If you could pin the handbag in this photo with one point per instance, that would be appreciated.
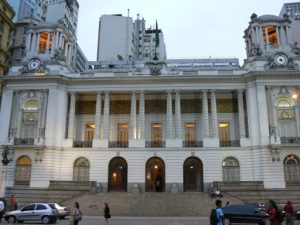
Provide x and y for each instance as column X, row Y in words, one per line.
column 78, row 216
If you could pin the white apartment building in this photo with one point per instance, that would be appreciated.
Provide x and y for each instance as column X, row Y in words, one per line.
column 158, row 125
column 121, row 39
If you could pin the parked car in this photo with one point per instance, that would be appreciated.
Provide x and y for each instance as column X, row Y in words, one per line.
column 297, row 214
column 244, row 214
column 33, row 212
column 62, row 211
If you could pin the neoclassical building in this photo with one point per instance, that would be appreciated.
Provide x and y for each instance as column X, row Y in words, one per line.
column 158, row 126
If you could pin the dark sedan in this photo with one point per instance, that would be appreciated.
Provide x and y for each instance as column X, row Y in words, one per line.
column 244, row 214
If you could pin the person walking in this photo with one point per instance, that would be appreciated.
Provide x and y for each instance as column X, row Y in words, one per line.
column 289, row 213
column 12, row 202
column 273, row 211
column 219, row 212
column 76, row 215
column 106, row 213
column 2, row 209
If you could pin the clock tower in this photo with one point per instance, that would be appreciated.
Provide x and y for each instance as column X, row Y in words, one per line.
column 270, row 44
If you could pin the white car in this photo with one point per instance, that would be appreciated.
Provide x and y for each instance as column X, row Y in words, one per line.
column 62, row 211
column 33, row 212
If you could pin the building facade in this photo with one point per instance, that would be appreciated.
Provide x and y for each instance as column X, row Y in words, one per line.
column 291, row 9
column 121, row 39
column 158, row 126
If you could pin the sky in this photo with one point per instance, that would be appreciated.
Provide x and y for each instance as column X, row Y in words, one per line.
column 192, row 28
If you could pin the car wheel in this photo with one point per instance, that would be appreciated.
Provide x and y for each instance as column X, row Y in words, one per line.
column 45, row 219
column 11, row 219
column 226, row 221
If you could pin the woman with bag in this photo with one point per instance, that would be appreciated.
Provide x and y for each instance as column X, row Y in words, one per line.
column 76, row 215
column 106, row 213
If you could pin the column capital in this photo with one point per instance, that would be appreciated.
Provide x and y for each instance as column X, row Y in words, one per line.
column 204, row 90
column 268, row 87
column 99, row 92
column 140, row 92
column 241, row 90
column 73, row 93
column 106, row 92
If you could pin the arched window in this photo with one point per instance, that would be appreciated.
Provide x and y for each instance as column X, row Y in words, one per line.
column 117, row 174
column 231, row 170
column 286, row 117
column 23, row 171
column 30, row 119
column 155, row 175
column 292, row 168
column 81, row 170
column 193, row 174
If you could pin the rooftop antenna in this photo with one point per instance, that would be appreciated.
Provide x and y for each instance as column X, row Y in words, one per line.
column 128, row 12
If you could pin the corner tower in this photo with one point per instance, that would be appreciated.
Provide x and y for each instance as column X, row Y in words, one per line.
column 270, row 44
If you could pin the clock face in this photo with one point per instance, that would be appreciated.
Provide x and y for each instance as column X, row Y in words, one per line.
column 34, row 64
column 280, row 59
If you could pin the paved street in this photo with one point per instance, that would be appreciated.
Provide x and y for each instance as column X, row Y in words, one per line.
column 90, row 220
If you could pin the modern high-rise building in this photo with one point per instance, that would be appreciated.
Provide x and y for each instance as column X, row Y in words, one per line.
column 121, row 39
column 28, row 8
column 291, row 9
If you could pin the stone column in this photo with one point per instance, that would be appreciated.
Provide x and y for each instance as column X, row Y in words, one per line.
column 205, row 120
column 241, row 114
column 38, row 43
column 97, row 135
column 278, row 36
column 169, row 116
column 105, row 134
column 33, row 42
column 267, row 37
column 28, row 41
column 142, row 116
column 57, row 36
column 178, row 116
column 54, row 41
column 214, row 115
column 261, row 37
column 133, row 116
column 72, row 116
column 48, row 43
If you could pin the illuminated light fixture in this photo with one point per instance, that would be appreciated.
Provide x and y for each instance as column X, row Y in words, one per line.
column 223, row 124
column 192, row 167
column 91, row 125
column 114, row 175
column 155, row 166
column 120, row 167
column 294, row 96
column 39, row 73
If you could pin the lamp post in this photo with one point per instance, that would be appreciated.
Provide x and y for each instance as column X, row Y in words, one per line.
column 5, row 162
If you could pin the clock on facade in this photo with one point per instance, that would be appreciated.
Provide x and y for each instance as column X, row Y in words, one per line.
column 280, row 59
column 34, row 64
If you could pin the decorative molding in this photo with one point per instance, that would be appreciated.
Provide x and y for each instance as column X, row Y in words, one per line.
column 155, row 67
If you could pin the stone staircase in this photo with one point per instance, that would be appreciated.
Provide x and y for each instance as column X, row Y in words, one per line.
column 148, row 204
column 250, row 192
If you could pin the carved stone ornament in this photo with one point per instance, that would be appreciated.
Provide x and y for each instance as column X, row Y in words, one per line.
column 59, row 55
column 290, row 65
column 155, row 67
column 255, row 51
column 34, row 65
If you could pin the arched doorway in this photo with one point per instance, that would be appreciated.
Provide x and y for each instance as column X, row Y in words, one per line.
column 23, row 171
column 231, row 170
column 292, row 168
column 117, row 174
column 193, row 174
column 155, row 175
column 81, row 170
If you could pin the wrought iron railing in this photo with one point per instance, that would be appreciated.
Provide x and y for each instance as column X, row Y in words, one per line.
column 155, row 144
column 82, row 144
column 24, row 141
column 118, row 144
column 230, row 143
column 192, row 144
column 290, row 140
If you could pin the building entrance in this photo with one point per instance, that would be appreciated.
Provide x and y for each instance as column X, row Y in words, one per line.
column 155, row 175
column 117, row 175
column 193, row 174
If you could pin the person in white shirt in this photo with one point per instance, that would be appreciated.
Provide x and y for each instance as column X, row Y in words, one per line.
column 1, row 209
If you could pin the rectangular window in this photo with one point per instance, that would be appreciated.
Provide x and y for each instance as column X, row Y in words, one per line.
column 156, row 132
column 224, row 133
column 190, row 134
column 123, row 135
column 89, row 133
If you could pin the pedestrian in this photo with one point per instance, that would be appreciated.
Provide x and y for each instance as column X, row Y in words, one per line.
column 106, row 213
column 11, row 202
column 273, row 212
column 16, row 204
column 219, row 212
column 76, row 215
column 2, row 209
column 289, row 213
column 218, row 193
